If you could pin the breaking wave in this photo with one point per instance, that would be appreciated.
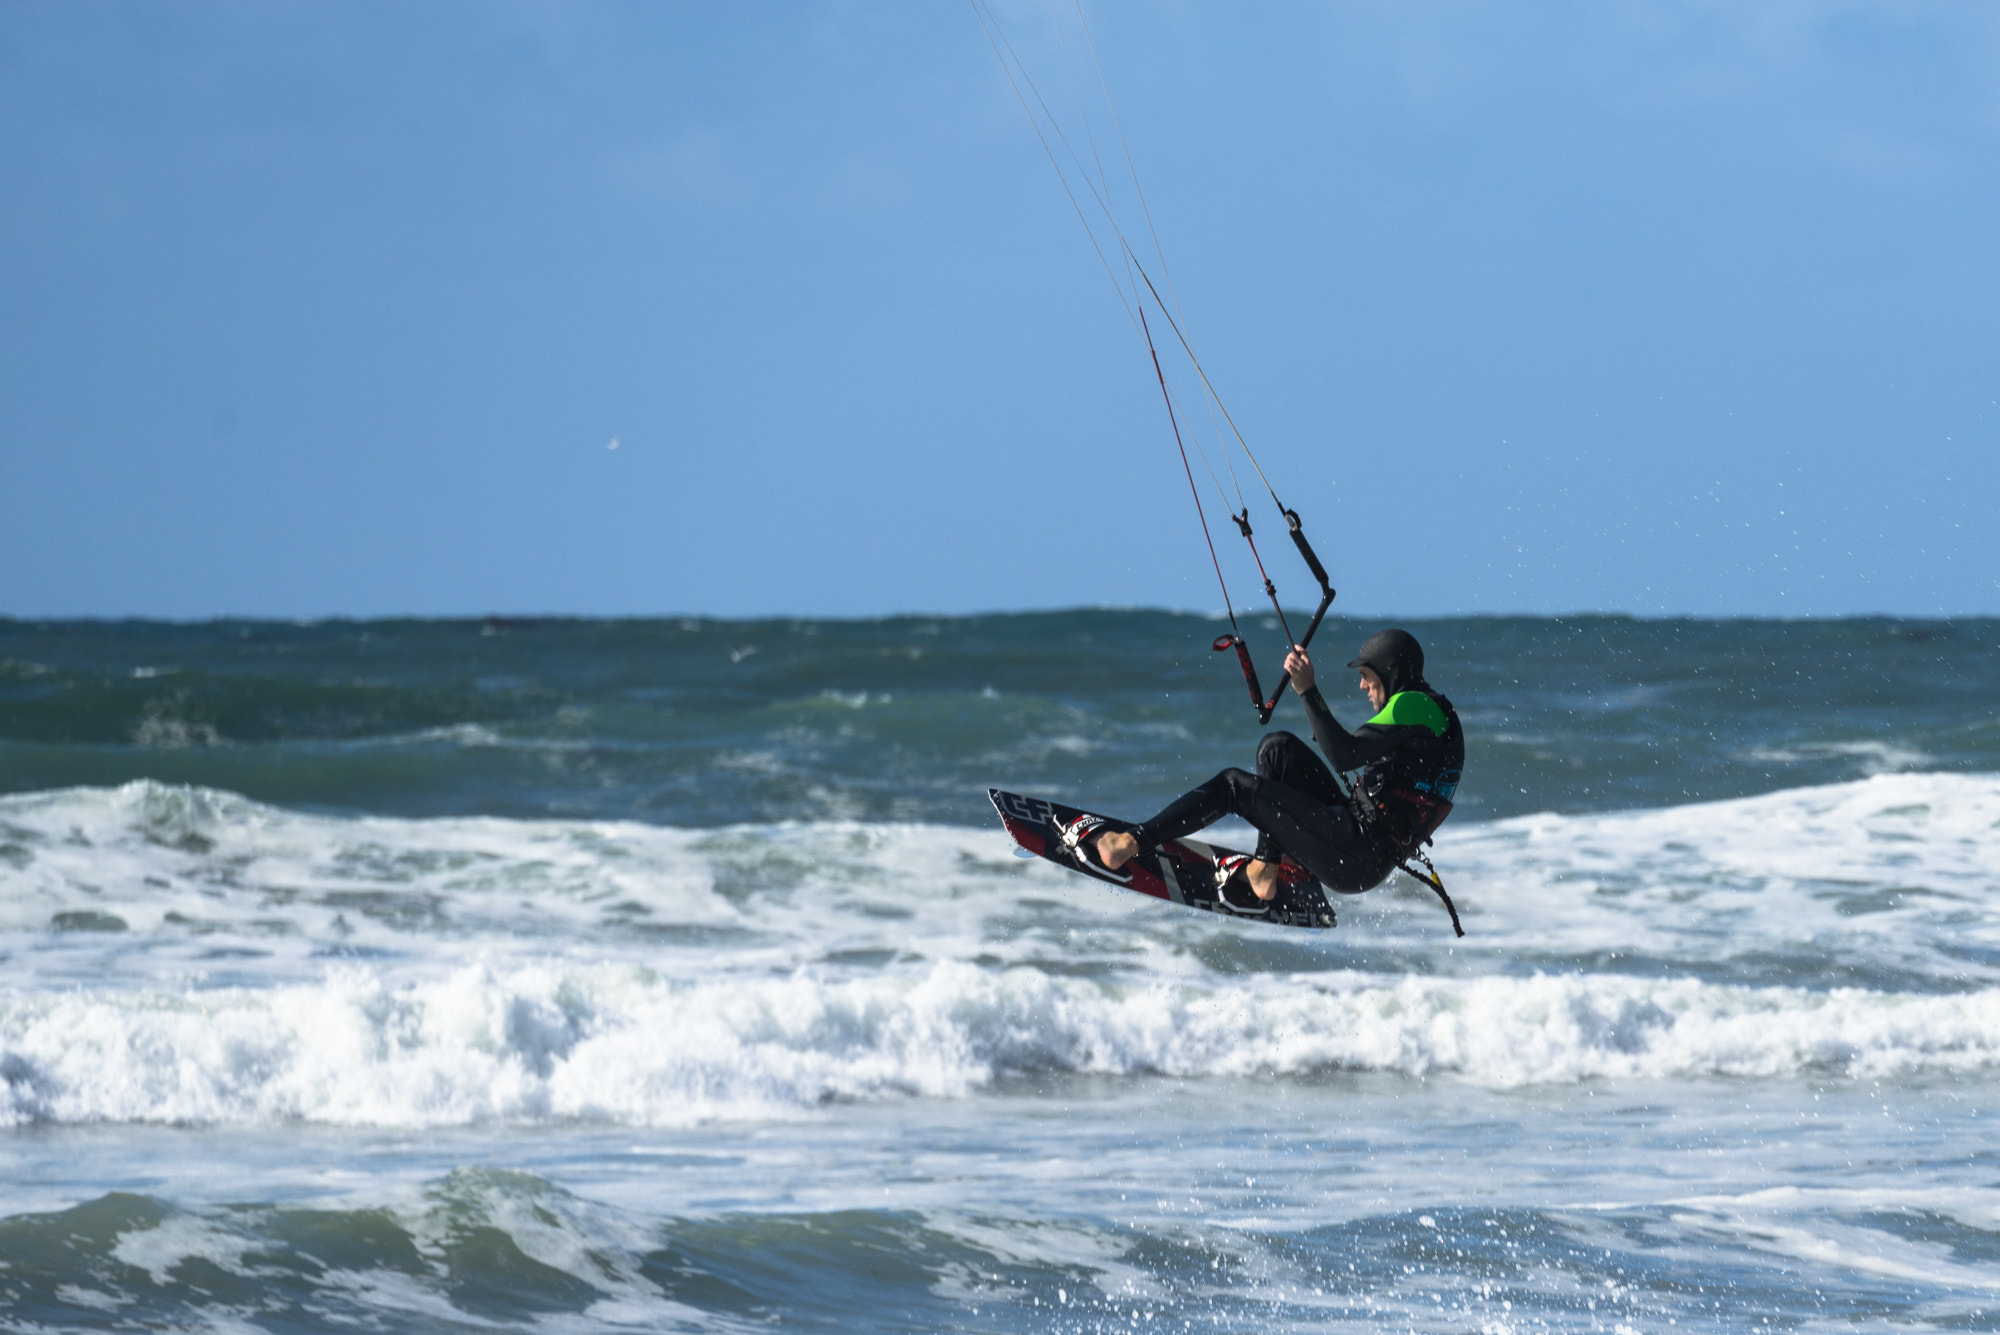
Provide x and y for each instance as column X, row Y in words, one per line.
column 615, row 1045
column 187, row 956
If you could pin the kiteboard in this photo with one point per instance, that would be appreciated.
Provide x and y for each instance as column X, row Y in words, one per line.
column 1182, row 871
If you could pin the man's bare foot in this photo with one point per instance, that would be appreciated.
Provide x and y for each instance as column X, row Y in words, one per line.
column 1115, row 848
column 1263, row 878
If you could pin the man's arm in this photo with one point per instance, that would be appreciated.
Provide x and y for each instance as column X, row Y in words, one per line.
column 1351, row 750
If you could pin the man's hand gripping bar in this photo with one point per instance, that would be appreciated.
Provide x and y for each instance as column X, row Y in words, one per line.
column 1265, row 708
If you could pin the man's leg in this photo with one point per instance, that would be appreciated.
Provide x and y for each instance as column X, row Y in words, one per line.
column 1320, row 836
column 1304, row 812
column 1232, row 792
column 1193, row 810
column 1284, row 757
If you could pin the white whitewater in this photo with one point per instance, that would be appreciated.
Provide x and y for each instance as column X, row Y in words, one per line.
column 185, row 956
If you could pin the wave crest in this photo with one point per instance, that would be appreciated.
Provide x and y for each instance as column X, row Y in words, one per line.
column 620, row 1046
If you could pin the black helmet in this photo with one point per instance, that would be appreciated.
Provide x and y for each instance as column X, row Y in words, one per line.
column 1396, row 657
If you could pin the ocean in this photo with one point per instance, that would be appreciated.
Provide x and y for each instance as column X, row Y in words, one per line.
column 675, row 975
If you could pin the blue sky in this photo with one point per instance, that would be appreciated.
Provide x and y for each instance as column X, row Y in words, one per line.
column 336, row 309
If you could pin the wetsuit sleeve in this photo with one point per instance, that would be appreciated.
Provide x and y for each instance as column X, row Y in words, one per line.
column 1354, row 750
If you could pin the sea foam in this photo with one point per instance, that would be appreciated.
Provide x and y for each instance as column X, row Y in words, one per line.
column 183, row 955
column 616, row 1045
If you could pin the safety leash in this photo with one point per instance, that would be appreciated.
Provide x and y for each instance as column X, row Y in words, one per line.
column 1429, row 876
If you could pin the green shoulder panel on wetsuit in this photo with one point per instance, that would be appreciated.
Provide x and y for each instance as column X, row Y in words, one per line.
column 1412, row 707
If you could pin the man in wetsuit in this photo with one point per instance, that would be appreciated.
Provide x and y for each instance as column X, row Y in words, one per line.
column 1409, row 754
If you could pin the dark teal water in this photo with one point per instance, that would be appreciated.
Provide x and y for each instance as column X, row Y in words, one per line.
column 566, row 976
column 704, row 722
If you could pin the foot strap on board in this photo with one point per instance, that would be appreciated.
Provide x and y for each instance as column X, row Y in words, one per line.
column 1232, row 874
column 1079, row 839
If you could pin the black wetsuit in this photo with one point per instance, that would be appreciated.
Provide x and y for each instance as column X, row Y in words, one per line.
column 1409, row 755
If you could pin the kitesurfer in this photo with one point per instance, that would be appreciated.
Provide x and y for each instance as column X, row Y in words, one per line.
column 1409, row 754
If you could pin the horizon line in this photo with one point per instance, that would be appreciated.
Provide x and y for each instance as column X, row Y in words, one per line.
column 528, row 618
